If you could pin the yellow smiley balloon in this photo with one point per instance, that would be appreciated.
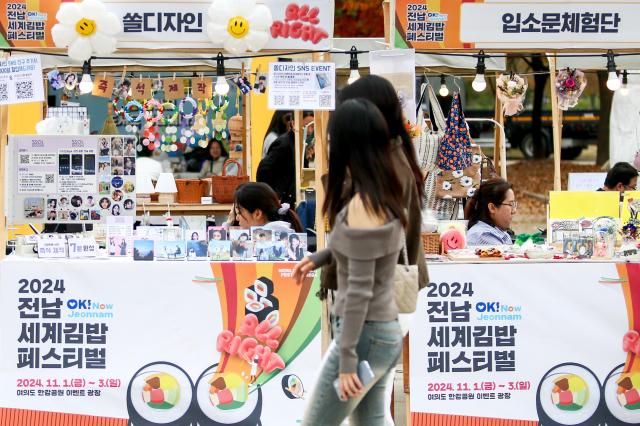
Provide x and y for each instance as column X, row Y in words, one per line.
column 238, row 27
column 85, row 27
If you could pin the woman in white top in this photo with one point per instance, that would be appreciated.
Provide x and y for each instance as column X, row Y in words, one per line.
column 215, row 159
column 256, row 204
column 281, row 123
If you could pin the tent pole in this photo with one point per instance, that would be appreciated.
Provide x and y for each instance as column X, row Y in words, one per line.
column 557, row 125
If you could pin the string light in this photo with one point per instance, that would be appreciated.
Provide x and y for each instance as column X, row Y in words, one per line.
column 613, row 82
column 444, row 90
column 479, row 83
column 222, row 87
column 86, row 84
column 354, row 74
column 624, row 90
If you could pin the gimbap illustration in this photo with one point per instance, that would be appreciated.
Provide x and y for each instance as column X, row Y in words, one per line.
column 264, row 302
column 569, row 394
column 160, row 393
column 292, row 386
column 226, row 398
column 622, row 396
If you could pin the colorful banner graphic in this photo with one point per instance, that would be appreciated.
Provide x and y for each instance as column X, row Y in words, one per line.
column 147, row 343
column 517, row 24
column 527, row 344
column 147, row 24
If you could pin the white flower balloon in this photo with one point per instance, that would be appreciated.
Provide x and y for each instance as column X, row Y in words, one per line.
column 239, row 25
column 86, row 28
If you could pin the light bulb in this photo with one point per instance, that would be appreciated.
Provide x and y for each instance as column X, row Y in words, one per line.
column 222, row 87
column 613, row 82
column 479, row 84
column 86, row 85
column 444, row 90
column 353, row 76
column 624, row 90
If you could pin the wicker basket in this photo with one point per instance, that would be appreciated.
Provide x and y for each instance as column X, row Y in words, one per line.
column 223, row 187
column 190, row 191
column 431, row 242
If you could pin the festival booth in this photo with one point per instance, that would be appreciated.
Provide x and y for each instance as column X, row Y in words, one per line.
column 187, row 323
column 539, row 333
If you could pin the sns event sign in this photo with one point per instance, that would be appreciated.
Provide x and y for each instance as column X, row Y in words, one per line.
column 21, row 80
column 527, row 344
column 148, row 24
column 302, row 85
column 517, row 24
column 123, row 343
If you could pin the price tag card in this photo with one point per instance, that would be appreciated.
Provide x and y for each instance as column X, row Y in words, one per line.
column 52, row 247
column 82, row 248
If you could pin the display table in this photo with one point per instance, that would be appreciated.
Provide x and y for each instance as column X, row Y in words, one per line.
column 522, row 343
column 112, row 341
column 180, row 209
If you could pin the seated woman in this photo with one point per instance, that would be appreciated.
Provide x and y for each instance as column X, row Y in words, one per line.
column 215, row 158
column 490, row 212
column 256, row 204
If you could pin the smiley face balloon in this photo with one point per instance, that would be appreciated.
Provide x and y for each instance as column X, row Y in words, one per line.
column 452, row 239
column 85, row 27
column 238, row 27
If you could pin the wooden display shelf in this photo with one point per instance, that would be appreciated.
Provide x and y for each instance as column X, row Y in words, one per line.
column 179, row 209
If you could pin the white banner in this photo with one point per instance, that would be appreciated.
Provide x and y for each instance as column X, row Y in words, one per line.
column 147, row 343
column 554, row 24
column 304, row 25
column 526, row 342
column 399, row 67
column 302, row 86
column 21, row 80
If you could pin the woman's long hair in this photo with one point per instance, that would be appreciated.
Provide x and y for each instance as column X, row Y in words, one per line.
column 382, row 93
column 257, row 195
column 359, row 147
column 278, row 125
column 494, row 192
column 223, row 151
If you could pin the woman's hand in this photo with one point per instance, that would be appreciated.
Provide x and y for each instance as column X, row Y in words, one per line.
column 301, row 270
column 350, row 386
column 232, row 216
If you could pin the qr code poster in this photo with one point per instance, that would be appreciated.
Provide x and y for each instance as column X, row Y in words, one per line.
column 302, row 86
column 72, row 179
column 21, row 80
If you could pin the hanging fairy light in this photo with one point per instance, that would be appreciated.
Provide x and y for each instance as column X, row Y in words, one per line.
column 624, row 89
column 86, row 84
column 354, row 74
column 613, row 82
column 444, row 90
column 222, row 86
column 479, row 83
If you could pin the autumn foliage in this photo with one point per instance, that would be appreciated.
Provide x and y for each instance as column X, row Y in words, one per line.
column 359, row 18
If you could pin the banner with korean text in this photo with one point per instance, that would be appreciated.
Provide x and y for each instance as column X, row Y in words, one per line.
column 517, row 24
column 527, row 344
column 148, row 24
column 118, row 342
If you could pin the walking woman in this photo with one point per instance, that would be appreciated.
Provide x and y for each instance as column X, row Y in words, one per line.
column 365, row 243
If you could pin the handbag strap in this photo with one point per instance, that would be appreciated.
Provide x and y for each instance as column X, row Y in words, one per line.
column 232, row 161
column 405, row 256
column 435, row 111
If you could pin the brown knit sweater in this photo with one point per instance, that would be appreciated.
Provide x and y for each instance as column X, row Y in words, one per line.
column 411, row 199
column 366, row 259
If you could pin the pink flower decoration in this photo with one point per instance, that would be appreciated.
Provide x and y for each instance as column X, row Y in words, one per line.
column 570, row 83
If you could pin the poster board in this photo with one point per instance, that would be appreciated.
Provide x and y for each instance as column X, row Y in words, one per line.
column 493, row 345
column 586, row 181
column 71, row 179
column 143, row 343
column 302, row 86
column 576, row 204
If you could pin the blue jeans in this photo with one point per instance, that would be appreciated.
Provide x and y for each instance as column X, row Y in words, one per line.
column 381, row 344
